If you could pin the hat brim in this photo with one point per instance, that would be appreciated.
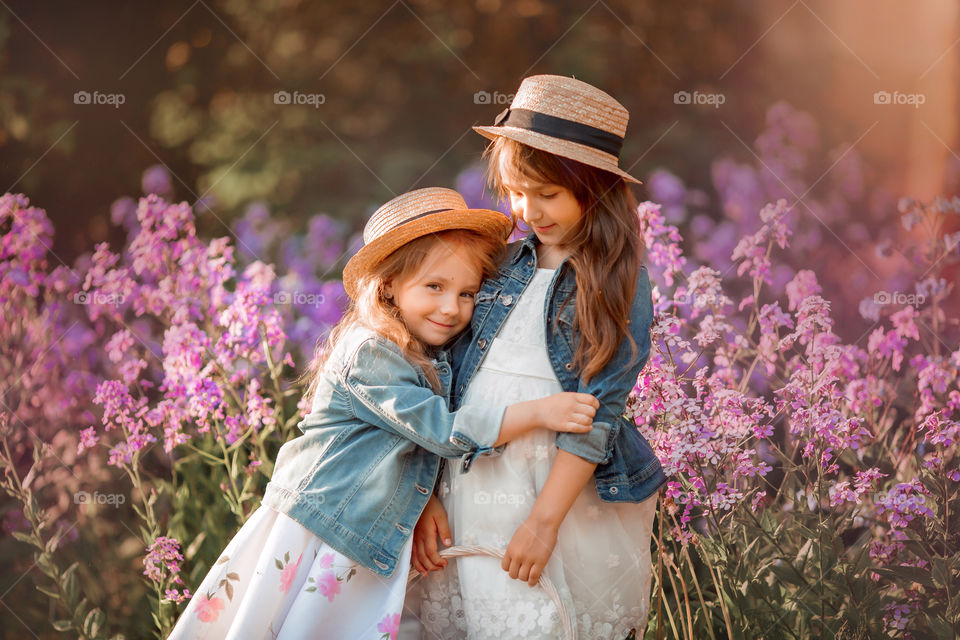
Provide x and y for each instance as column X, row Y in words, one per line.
column 485, row 221
column 564, row 148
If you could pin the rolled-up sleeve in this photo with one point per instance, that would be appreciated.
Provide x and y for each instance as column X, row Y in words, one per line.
column 385, row 390
column 612, row 384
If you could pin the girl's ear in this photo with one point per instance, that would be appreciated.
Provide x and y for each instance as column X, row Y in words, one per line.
column 388, row 290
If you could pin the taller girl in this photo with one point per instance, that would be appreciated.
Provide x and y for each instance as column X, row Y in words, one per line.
column 570, row 309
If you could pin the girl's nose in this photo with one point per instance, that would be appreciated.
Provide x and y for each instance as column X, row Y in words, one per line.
column 449, row 306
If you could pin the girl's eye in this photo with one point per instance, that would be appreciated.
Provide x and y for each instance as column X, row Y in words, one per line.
column 547, row 196
column 434, row 286
column 467, row 294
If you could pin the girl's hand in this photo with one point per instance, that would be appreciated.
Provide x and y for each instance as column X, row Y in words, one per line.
column 432, row 523
column 568, row 411
column 529, row 550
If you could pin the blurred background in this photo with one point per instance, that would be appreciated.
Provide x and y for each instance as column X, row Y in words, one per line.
column 388, row 92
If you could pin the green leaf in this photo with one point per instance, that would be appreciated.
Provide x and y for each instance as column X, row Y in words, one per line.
column 279, row 564
column 941, row 627
column 48, row 592
column 71, row 589
column 62, row 625
column 27, row 538
column 93, row 622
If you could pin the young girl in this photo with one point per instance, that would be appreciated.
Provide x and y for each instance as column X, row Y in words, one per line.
column 328, row 553
column 569, row 310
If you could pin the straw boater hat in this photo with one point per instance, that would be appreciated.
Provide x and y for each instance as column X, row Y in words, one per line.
column 412, row 215
column 568, row 118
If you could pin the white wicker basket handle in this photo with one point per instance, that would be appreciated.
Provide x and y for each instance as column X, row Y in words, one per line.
column 460, row 551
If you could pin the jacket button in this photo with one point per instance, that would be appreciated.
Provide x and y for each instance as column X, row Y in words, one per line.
column 568, row 366
column 460, row 390
column 402, row 529
column 530, row 263
column 614, row 490
column 421, row 489
column 482, row 343
column 507, row 300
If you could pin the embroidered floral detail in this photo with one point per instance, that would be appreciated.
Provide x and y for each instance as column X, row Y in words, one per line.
column 288, row 571
column 389, row 626
column 208, row 609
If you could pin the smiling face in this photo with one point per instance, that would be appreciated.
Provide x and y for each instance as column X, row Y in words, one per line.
column 436, row 301
column 550, row 210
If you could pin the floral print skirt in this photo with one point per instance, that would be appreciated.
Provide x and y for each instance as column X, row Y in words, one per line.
column 277, row 580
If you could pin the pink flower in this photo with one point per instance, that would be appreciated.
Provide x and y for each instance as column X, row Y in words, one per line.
column 289, row 571
column 326, row 560
column 803, row 284
column 208, row 609
column 328, row 585
column 162, row 556
column 390, row 624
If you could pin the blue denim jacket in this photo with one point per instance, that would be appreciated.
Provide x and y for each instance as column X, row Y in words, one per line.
column 628, row 469
column 364, row 468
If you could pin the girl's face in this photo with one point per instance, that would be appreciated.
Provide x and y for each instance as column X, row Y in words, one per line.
column 436, row 302
column 550, row 210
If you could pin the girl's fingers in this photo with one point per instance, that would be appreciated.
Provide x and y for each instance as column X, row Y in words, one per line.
column 418, row 567
column 443, row 529
column 534, row 576
column 432, row 554
column 523, row 573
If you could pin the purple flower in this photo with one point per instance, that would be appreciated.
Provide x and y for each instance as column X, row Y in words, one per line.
column 162, row 560
column 156, row 179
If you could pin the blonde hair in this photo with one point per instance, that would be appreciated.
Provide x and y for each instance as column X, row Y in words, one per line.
column 606, row 248
column 372, row 309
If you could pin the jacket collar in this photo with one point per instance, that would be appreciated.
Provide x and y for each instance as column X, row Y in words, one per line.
column 527, row 246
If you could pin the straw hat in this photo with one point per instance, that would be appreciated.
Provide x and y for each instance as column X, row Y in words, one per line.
column 568, row 118
column 413, row 215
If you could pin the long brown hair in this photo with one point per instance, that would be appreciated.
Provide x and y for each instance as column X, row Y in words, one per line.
column 606, row 249
column 374, row 310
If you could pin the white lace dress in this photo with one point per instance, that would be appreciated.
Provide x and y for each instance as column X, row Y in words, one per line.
column 601, row 564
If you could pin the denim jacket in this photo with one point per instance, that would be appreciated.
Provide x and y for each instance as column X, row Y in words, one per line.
column 361, row 473
column 628, row 469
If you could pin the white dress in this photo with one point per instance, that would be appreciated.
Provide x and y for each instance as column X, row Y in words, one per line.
column 601, row 564
column 276, row 579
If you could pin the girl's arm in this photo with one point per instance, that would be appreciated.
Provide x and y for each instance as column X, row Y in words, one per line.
column 613, row 383
column 383, row 389
column 533, row 542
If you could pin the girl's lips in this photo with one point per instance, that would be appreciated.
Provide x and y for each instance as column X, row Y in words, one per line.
column 543, row 228
column 445, row 326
